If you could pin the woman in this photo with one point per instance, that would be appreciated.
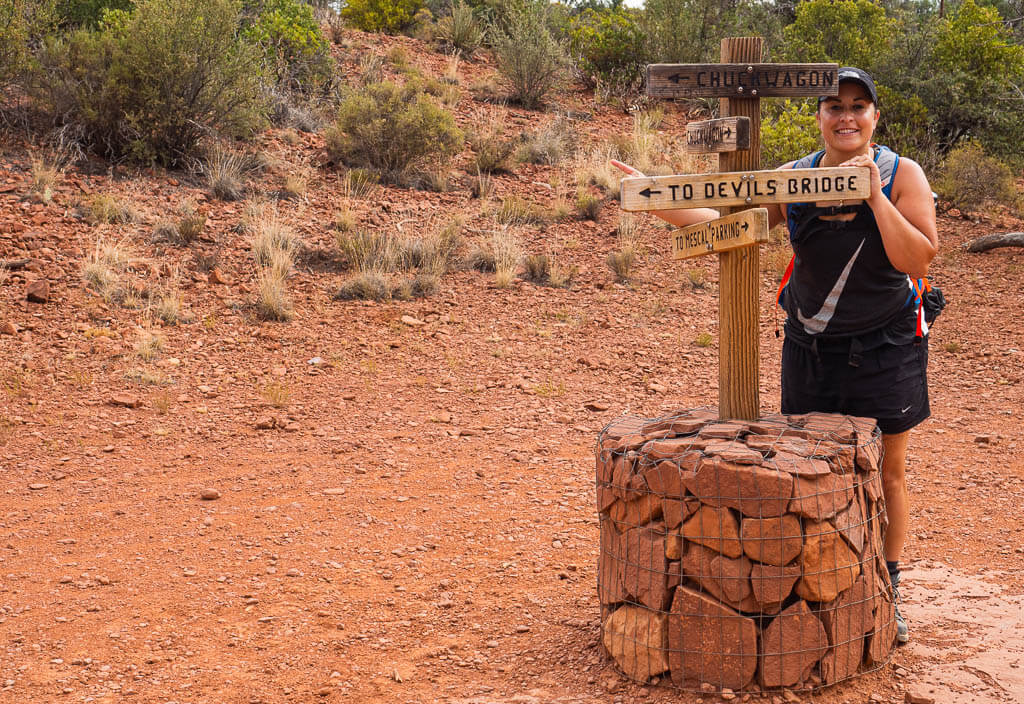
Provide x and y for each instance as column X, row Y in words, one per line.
column 853, row 343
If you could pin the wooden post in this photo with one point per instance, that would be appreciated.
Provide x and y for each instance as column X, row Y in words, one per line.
column 738, row 304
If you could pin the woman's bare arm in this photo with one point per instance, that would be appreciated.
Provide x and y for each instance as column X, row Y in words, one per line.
column 680, row 217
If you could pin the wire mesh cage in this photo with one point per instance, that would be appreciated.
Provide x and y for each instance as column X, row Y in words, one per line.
column 743, row 555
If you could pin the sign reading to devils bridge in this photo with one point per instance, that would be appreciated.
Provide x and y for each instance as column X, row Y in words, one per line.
column 745, row 188
column 741, row 80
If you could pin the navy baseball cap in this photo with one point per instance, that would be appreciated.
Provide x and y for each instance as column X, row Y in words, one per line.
column 849, row 73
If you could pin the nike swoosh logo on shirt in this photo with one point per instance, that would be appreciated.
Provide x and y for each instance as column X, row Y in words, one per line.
column 817, row 323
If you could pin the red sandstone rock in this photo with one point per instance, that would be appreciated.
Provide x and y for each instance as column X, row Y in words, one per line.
column 666, row 477
column 873, row 487
column 791, row 646
column 610, row 566
column 725, row 431
column 733, row 451
column 673, row 546
column 670, row 427
column 846, row 620
column 819, row 498
column 676, row 511
column 724, row 578
column 772, row 584
column 38, row 291
column 880, row 641
column 836, row 427
column 850, row 523
column 828, row 564
column 656, row 450
column 709, row 643
column 646, row 570
column 755, row 491
column 620, row 427
column 638, row 640
column 801, row 466
column 629, row 514
column 715, row 528
column 776, row 541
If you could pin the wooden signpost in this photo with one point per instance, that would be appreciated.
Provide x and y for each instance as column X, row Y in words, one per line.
column 740, row 229
column 726, row 134
column 740, row 81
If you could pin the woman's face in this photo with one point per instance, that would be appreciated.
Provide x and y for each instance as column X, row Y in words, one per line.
column 848, row 120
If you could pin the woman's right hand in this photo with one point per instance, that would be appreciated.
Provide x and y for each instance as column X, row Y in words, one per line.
column 629, row 170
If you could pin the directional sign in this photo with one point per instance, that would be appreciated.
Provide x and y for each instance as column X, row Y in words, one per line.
column 741, row 80
column 726, row 134
column 740, row 229
column 745, row 188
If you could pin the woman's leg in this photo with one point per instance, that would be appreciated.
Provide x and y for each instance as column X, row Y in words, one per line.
column 894, row 487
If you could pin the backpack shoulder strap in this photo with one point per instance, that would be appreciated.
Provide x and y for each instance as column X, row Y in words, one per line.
column 810, row 161
column 888, row 162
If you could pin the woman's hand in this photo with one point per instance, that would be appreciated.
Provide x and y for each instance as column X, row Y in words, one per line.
column 680, row 217
column 629, row 170
column 876, row 179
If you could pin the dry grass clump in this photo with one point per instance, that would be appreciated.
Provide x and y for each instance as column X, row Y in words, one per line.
column 620, row 261
column 226, row 170
column 105, row 265
column 184, row 229
column 493, row 148
column 149, row 344
column 588, row 205
column 482, row 185
column 295, row 185
column 44, row 177
column 167, row 306
column 545, row 269
column 507, row 254
column 596, row 170
column 388, row 266
column 359, row 184
column 551, row 144
column 101, row 209
column 516, row 211
column 273, row 249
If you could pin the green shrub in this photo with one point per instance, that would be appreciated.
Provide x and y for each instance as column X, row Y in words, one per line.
column 293, row 45
column 390, row 16
column 87, row 13
column 971, row 179
column 790, row 133
column 529, row 56
column 394, row 130
column 22, row 22
column 690, row 31
column 493, row 149
column 849, row 32
column 461, row 30
column 150, row 84
column 608, row 47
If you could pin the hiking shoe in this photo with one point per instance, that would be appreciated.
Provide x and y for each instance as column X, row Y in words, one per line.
column 902, row 632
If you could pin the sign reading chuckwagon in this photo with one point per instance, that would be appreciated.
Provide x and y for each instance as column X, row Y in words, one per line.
column 741, row 80
column 745, row 188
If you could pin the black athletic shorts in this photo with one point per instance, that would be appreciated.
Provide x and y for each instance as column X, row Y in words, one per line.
column 888, row 384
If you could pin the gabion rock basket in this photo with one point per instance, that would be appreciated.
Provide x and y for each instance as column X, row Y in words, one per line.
column 743, row 555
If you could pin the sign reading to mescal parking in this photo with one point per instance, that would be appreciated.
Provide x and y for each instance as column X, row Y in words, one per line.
column 726, row 134
column 741, row 80
column 740, row 229
column 745, row 188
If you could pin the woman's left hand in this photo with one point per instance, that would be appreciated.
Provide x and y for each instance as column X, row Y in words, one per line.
column 876, row 178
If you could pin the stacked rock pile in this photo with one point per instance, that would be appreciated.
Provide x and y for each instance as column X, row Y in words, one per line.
column 743, row 555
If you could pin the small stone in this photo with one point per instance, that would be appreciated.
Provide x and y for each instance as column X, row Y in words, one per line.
column 66, row 579
column 293, row 573
column 8, row 328
column 38, row 291
column 216, row 276
column 126, row 400
column 727, row 694
column 38, row 486
column 522, row 628
column 334, row 491
column 596, row 406
column 266, row 423
column 983, row 439
column 917, row 695
column 189, row 572
column 209, row 494
column 412, row 322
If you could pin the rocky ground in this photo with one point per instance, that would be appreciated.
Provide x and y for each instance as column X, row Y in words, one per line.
column 395, row 502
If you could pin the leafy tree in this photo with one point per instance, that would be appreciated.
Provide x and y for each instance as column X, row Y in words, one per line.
column 88, row 13
column 848, row 32
column 609, row 49
column 688, row 31
column 530, row 56
column 22, row 23
column 295, row 48
column 389, row 16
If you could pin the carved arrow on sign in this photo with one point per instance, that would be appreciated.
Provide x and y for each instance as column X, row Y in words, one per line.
column 647, row 193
